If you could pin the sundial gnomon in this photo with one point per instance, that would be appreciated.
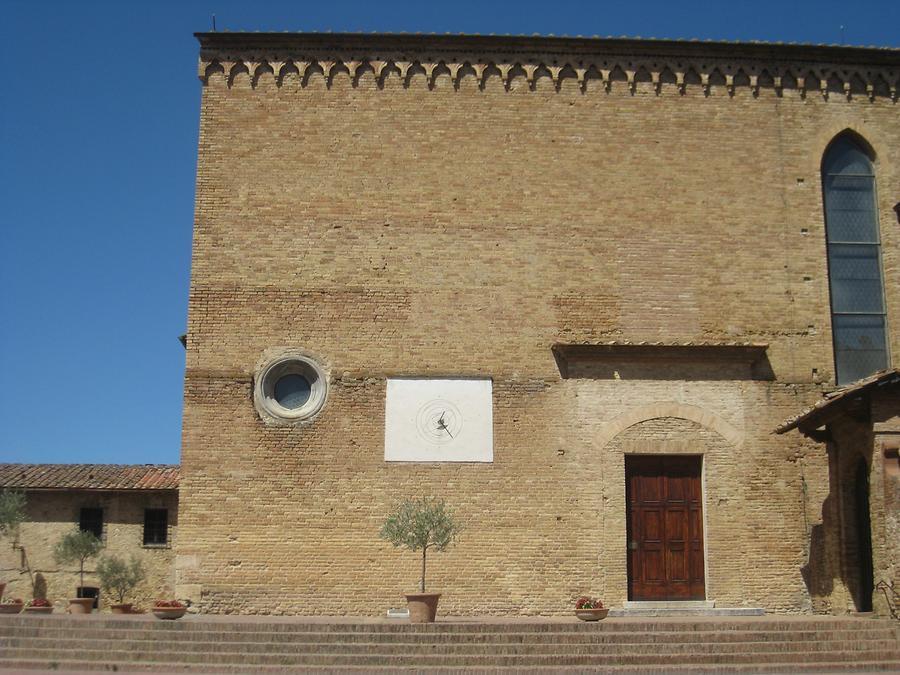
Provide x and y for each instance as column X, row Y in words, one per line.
column 439, row 422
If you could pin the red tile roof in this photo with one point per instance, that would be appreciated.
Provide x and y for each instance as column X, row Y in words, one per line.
column 90, row 476
column 812, row 417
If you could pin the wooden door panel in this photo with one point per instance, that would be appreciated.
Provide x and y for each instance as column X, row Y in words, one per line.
column 651, row 526
column 676, row 565
column 695, row 524
column 675, row 489
column 650, row 490
column 665, row 528
column 676, row 524
column 653, row 566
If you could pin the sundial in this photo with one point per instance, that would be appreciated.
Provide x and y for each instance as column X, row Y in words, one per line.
column 438, row 420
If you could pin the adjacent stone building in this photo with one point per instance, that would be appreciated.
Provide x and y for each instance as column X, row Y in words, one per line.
column 132, row 508
column 860, row 530
column 571, row 286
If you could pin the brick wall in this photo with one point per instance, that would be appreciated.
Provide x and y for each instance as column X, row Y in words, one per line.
column 392, row 228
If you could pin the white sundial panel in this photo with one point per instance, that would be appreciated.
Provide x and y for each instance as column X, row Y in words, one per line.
column 438, row 420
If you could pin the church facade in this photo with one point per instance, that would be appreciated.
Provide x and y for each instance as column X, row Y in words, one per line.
column 570, row 286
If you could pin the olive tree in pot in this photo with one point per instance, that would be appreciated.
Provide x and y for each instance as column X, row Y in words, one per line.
column 421, row 524
column 78, row 546
column 120, row 578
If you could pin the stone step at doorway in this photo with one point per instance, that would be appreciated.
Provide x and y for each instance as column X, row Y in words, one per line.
column 682, row 608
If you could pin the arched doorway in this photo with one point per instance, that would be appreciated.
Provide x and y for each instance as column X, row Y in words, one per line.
column 866, row 573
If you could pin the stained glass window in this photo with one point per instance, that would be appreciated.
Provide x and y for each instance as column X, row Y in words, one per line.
column 854, row 261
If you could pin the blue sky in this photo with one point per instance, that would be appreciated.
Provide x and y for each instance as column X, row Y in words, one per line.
column 98, row 133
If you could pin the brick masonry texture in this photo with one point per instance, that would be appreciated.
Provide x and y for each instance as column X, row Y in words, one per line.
column 392, row 228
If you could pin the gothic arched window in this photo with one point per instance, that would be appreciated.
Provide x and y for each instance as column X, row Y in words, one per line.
column 854, row 261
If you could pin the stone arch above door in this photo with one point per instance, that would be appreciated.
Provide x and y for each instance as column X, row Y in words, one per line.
column 652, row 411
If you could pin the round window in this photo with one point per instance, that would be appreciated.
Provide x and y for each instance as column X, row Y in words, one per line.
column 292, row 391
column 292, row 388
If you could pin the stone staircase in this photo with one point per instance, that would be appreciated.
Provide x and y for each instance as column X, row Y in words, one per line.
column 261, row 645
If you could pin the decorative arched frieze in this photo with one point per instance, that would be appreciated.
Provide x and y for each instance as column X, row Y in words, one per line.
column 701, row 416
column 820, row 80
column 235, row 69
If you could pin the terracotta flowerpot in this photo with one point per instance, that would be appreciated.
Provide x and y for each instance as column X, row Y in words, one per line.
column 12, row 608
column 39, row 610
column 169, row 612
column 422, row 607
column 594, row 614
column 124, row 608
column 81, row 605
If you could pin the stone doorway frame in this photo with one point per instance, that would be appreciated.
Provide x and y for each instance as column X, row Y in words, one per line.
column 672, row 409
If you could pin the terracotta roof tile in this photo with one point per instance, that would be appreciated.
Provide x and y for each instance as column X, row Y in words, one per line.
column 90, row 476
column 880, row 379
column 699, row 343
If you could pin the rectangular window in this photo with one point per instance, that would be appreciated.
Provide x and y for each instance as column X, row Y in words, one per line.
column 91, row 520
column 156, row 527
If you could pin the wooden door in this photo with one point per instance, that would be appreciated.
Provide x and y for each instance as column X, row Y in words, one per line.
column 665, row 527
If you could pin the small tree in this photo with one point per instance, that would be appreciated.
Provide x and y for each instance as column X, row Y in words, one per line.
column 421, row 524
column 77, row 546
column 120, row 577
column 12, row 513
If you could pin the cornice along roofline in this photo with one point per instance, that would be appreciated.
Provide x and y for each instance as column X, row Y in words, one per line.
column 552, row 44
column 861, row 72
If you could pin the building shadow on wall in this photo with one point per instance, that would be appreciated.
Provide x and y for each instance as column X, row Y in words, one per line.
column 819, row 581
column 700, row 362
column 833, row 554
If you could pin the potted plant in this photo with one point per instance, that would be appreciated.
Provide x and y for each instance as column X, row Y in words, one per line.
column 11, row 606
column 78, row 546
column 119, row 578
column 39, row 606
column 590, row 609
column 421, row 524
column 169, row 609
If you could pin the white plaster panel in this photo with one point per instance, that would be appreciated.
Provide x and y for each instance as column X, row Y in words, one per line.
column 439, row 420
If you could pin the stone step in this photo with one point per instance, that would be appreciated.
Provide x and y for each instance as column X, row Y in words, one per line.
column 238, row 626
column 67, row 665
column 428, row 660
column 686, row 612
column 609, row 646
column 682, row 609
column 204, row 644
column 669, row 604
column 598, row 636
column 61, row 647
